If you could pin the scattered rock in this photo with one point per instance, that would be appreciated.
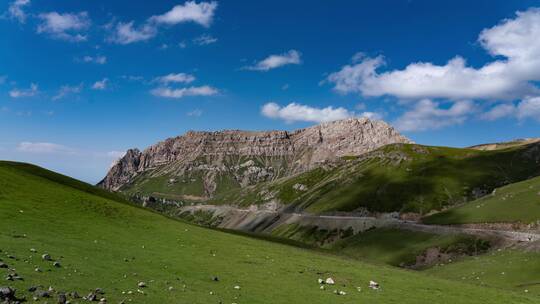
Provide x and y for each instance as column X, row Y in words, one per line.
column 42, row 294
column 74, row 295
column 300, row 187
column 33, row 288
column 237, row 287
column 215, row 279
column 7, row 294
column 320, row 281
column 3, row 265
column 91, row 297
column 13, row 277
column 57, row 264
column 141, row 284
column 33, row 250
column 374, row 285
column 46, row 257
column 329, row 281
column 62, row 299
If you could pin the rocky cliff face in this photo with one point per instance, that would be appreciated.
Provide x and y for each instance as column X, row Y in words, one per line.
column 245, row 157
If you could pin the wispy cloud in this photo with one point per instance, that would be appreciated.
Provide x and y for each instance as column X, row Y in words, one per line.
column 205, row 40
column 276, row 61
column 195, row 113
column 184, row 92
column 176, row 78
column 44, row 148
column 101, row 84
column 99, row 59
column 67, row 26
column 19, row 93
column 16, row 10
column 66, row 90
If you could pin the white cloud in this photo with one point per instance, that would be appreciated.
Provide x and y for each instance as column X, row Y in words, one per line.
column 195, row 113
column 19, row 93
column 67, row 90
column 529, row 108
column 276, row 61
column 176, row 78
column 205, row 40
column 16, row 10
column 116, row 154
column 126, row 33
column 101, row 84
column 516, row 40
column 296, row 112
column 428, row 115
column 184, row 92
column 66, row 26
column 201, row 13
column 43, row 148
column 371, row 115
column 499, row 111
column 3, row 79
column 97, row 59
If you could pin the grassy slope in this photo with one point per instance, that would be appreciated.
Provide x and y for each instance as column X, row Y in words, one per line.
column 92, row 236
column 396, row 247
column 506, row 269
column 399, row 178
column 518, row 202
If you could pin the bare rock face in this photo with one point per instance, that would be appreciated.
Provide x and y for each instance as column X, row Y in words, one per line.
column 276, row 153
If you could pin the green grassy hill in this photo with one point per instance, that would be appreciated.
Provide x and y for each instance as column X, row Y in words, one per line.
column 102, row 243
column 515, row 203
column 400, row 177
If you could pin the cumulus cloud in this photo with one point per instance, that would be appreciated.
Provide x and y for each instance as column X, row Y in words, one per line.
column 66, row 90
column 43, row 148
column 515, row 40
column 176, row 78
column 297, row 112
column 101, row 84
column 205, row 40
column 126, row 32
column 19, row 93
column 191, row 11
column 276, row 61
column 184, row 92
column 499, row 111
column 428, row 115
column 95, row 59
column 527, row 108
column 16, row 10
column 67, row 26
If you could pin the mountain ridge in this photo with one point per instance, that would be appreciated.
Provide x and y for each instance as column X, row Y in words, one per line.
column 248, row 157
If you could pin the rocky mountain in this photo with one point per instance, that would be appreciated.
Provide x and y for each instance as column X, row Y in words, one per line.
column 197, row 165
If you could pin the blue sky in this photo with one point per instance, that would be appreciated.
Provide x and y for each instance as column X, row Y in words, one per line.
column 82, row 81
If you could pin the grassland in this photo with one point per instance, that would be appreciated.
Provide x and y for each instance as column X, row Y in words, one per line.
column 103, row 243
column 515, row 203
column 510, row 269
column 401, row 247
